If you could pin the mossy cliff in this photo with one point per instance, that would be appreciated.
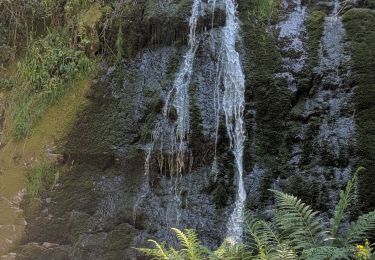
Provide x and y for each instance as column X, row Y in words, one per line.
column 104, row 203
column 359, row 24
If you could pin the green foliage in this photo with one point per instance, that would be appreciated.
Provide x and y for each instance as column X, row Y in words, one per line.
column 230, row 251
column 190, row 243
column 263, row 239
column 361, row 228
column 264, row 243
column 47, row 71
column 191, row 248
column 300, row 228
column 296, row 232
column 263, row 9
column 346, row 197
column 326, row 252
column 41, row 177
column 119, row 44
column 297, row 221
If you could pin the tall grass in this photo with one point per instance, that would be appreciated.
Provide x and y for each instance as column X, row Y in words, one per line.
column 263, row 9
column 41, row 177
column 48, row 70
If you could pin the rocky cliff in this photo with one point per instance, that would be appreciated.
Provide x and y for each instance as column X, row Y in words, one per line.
column 309, row 115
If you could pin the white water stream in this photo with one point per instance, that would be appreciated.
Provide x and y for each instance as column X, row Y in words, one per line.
column 233, row 106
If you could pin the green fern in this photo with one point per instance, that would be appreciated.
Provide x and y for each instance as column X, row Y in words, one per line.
column 326, row 253
column 285, row 252
column 159, row 252
column 231, row 251
column 263, row 240
column 191, row 248
column 191, row 244
column 346, row 197
column 359, row 230
column 298, row 221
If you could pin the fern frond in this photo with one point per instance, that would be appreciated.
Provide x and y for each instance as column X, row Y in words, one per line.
column 157, row 253
column 326, row 252
column 191, row 244
column 285, row 252
column 298, row 222
column 361, row 229
column 346, row 197
column 231, row 251
column 263, row 240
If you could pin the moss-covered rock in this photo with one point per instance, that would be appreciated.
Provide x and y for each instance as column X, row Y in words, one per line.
column 359, row 24
column 272, row 98
column 315, row 27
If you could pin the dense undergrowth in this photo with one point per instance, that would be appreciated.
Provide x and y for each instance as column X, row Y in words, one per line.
column 53, row 45
column 55, row 42
column 295, row 231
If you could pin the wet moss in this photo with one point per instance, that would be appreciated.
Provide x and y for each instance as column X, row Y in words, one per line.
column 359, row 24
column 367, row 4
column 264, row 93
column 119, row 241
column 315, row 28
column 196, row 135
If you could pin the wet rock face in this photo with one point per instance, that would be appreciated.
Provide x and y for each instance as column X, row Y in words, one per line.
column 300, row 129
column 311, row 103
column 151, row 24
column 105, row 204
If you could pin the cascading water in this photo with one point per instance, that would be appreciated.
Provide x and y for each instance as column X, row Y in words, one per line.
column 171, row 137
column 233, row 106
column 181, row 84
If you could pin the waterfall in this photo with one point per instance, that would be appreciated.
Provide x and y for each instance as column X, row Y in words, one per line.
column 173, row 136
column 180, row 94
column 181, row 84
column 233, row 106
column 168, row 136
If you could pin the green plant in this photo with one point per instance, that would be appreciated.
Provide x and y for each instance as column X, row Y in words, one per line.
column 364, row 252
column 263, row 9
column 41, row 177
column 119, row 44
column 296, row 232
column 44, row 75
column 302, row 230
column 191, row 248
